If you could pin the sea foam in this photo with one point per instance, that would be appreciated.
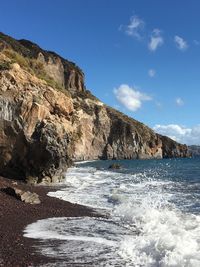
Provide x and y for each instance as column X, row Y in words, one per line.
column 146, row 226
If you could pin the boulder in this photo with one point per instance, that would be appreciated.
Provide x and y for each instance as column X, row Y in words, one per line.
column 25, row 196
column 115, row 166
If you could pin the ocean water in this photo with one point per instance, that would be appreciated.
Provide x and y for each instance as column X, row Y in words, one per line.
column 152, row 209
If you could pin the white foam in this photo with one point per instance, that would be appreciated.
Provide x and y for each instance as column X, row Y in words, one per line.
column 168, row 238
column 81, row 182
column 146, row 228
column 84, row 161
column 84, row 239
column 46, row 229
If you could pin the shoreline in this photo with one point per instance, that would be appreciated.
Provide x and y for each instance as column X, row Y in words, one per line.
column 15, row 249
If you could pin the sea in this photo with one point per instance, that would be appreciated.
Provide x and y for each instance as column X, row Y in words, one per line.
column 150, row 215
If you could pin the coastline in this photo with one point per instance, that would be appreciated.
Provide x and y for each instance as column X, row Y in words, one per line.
column 16, row 250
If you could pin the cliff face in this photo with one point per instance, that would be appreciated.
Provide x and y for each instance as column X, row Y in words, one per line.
column 48, row 118
column 108, row 134
column 35, row 129
column 64, row 72
column 172, row 149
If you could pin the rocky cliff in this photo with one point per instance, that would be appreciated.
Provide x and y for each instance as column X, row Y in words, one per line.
column 48, row 118
column 64, row 72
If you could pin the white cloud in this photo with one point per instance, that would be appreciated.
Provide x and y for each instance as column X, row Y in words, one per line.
column 134, row 28
column 179, row 102
column 182, row 134
column 129, row 97
column 151, row 73
column 181, row 44
column 156, row 40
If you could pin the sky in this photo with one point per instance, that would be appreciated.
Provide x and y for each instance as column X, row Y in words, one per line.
column 141, row 57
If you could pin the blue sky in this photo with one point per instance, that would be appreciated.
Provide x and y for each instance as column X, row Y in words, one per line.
column 139, row 56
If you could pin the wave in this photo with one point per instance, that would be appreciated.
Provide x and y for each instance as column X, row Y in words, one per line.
column 146, row 227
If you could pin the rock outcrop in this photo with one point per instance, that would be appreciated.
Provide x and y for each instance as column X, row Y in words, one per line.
column 35, row 128
column 64, row 72
column 25, row 196
column 172, row 149
column 48, row 118
column 108, row 134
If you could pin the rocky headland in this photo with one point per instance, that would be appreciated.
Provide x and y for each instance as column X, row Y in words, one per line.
column 48, row 118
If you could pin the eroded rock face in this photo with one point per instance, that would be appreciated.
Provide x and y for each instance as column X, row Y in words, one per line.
column 43, row 128
column 53, row 67
column 35, row 127
column 172, row 149
column 107, row 134
column 69, row 77
column 64, row 72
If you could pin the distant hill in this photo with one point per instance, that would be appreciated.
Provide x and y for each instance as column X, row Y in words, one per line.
column 195, row 150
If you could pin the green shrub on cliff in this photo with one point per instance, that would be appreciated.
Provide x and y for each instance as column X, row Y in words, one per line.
column 33, row 66
column 16, row 58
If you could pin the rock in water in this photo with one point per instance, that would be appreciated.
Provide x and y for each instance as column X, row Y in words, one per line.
column 115, row 166
column 48, row 118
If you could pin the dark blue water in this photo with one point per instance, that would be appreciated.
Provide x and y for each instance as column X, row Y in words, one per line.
column 186, row 169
